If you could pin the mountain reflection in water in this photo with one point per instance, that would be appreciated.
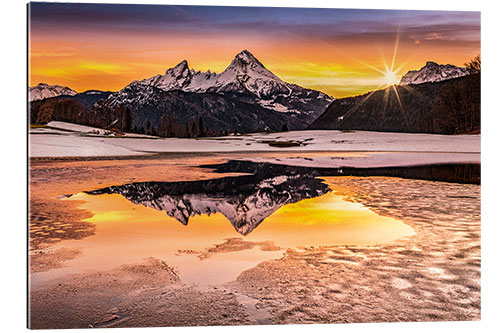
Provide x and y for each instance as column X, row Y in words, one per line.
column 248, row 200
column 292, row 206
column 244, row 200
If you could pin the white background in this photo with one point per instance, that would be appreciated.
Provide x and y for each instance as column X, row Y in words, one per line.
column 14, row 165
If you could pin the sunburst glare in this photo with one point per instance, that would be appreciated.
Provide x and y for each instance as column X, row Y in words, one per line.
column 390, row 78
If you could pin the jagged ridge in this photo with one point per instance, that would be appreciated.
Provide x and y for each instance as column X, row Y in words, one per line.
column 433, row 72
column 246, row 75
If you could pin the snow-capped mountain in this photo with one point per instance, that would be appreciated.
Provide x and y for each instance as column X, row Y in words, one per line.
column 219, row 112
column 244, row 76
column 181, row 77
column 433, row 72
column 43, row 90
column 245, row 201
column 245, row 97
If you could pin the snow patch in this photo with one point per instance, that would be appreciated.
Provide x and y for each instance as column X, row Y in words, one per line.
column 327, row 148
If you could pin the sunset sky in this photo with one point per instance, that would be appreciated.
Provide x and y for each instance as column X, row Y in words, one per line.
column 337, row 51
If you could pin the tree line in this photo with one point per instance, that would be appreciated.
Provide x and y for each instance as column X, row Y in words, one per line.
column 119, row 119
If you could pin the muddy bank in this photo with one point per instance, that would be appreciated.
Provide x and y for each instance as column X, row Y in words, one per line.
column 148, row 293
column 432, row 276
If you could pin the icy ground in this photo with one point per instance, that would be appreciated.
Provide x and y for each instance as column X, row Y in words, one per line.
column 353, row 148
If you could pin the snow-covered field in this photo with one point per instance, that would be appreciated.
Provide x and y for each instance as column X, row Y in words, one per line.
column 357, row 148
column 60, row 127
column 369, row 159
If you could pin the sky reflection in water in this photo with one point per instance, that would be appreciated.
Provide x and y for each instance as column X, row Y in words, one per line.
column 128, row 232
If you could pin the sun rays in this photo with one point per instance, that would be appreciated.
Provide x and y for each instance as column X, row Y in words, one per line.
column 389, row 81
column 390, row 78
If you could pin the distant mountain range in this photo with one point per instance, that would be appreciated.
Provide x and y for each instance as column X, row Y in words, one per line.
column 43, row 90
column 247, row 97
column 432, row 72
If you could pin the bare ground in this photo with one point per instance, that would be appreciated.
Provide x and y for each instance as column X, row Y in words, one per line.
column 434, row 275
column 143, row 294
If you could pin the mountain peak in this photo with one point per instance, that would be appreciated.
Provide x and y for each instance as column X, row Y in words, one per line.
column 179, row 68
column 174, row 78
column 246, row 55
column 433, row 72
column 245, row 58
column 183, row 63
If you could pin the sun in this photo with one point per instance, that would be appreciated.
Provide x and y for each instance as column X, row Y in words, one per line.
column 390, row 78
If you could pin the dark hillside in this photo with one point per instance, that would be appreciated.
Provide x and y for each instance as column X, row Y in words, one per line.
column 446, row 107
